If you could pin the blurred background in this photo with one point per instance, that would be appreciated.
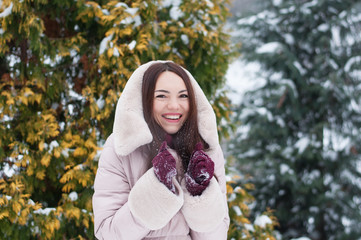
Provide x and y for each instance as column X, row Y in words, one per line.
column 284, row 79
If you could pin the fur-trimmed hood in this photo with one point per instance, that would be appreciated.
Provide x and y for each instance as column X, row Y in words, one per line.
column 130, row 128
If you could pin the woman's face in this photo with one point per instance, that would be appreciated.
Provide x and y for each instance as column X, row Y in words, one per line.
column 171, row 104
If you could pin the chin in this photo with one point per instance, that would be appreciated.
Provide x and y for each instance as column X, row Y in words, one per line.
column 171, row 131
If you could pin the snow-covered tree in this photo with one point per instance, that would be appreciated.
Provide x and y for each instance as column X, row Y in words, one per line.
column 63, row 65
column 299, row 135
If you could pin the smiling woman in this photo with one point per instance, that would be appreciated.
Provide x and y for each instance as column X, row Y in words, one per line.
column 170, row 105
column 161, row 173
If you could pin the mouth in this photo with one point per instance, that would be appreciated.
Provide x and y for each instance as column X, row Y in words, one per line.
column 173, row 117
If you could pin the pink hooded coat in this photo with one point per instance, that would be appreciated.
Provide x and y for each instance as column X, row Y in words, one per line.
column 129, row 201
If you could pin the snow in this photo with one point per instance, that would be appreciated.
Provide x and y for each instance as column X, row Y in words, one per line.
column 7, row 11
column 52, row 63
column 121, row 4
column 265, row 112
column 249, row 227
column 328, row 179
column 31, row 202
column 347, row 223
column 75, row 95
column 301, row 70
column 61, row 125
column 237, row 210
column 314, row 209
column 289, row 38
column 185, row 39
column 310, row 177
column 336, row 36
column 271, row 47
column 335, row 141
column 351, row 62
column 284, row 168
column 355, row 17
column 355, row 106
column 71, row 109
column 6, row 118
column 106, row 12
column 323, row 27
column 240, row 80
column 13, row 59
column 131, row 11
column 104, row 44
column 262, row 221
column 168, row 3
column 242, row 77
column 301, row 238
column 100, row 103
column 288, row 10
column 73, row 196
column 277, row 2
column 287, row 152
column 302, row 144
column 53, row 144
column 349, row 176
column 65, row 153
column 132, row 44
column 10, row 171
column 250, row 20
column 289, row 83
column 175, row 13
column 115, row 52
column 44, row 211
column 305, row 8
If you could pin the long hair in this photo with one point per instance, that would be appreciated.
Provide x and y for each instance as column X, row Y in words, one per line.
column 186, row 138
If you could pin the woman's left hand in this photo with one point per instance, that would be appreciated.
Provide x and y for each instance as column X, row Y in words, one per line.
column 200, row 171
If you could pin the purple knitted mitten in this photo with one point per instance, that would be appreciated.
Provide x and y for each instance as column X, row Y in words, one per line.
column 200, row 171
column 164, row 166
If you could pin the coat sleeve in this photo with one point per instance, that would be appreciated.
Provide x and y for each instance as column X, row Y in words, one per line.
column 207, row 214
column 119, row 210
column 112, row 217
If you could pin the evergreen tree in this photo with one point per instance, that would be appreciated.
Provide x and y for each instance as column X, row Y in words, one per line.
column 63, row 65
column 300, row 132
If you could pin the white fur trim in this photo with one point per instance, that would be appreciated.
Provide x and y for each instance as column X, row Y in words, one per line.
column 130, row 129
column 152, row 203
column 205, row 212
column 207, row 123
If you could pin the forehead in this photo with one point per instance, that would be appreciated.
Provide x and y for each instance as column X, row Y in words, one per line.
column 170, row 81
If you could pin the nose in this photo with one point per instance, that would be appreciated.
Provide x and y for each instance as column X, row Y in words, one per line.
column 173, row 103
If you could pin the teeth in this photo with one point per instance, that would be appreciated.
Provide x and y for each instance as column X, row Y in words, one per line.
column 173, row 117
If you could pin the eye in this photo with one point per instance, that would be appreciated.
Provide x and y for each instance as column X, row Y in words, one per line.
column 160, row 96
column 183, row 96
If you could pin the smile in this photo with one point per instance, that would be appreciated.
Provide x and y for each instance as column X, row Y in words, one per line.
column 172, row 116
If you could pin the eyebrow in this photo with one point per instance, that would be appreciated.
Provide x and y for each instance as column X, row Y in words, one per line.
column 165, row 91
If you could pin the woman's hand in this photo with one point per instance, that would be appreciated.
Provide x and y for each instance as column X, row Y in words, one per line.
column 164, row 166
column 200, row 171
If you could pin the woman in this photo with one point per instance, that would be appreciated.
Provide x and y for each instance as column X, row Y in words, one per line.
column 161, row 172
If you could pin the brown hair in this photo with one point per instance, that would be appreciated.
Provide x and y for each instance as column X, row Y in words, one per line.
column 186, row 138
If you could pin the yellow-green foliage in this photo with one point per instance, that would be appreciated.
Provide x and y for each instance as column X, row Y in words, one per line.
column 63, row 65
column 241, row 226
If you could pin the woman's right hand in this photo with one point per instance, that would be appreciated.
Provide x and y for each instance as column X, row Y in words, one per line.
column 164, row 166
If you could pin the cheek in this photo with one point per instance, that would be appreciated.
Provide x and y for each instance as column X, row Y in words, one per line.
column 157, row 109
column 186, row 108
